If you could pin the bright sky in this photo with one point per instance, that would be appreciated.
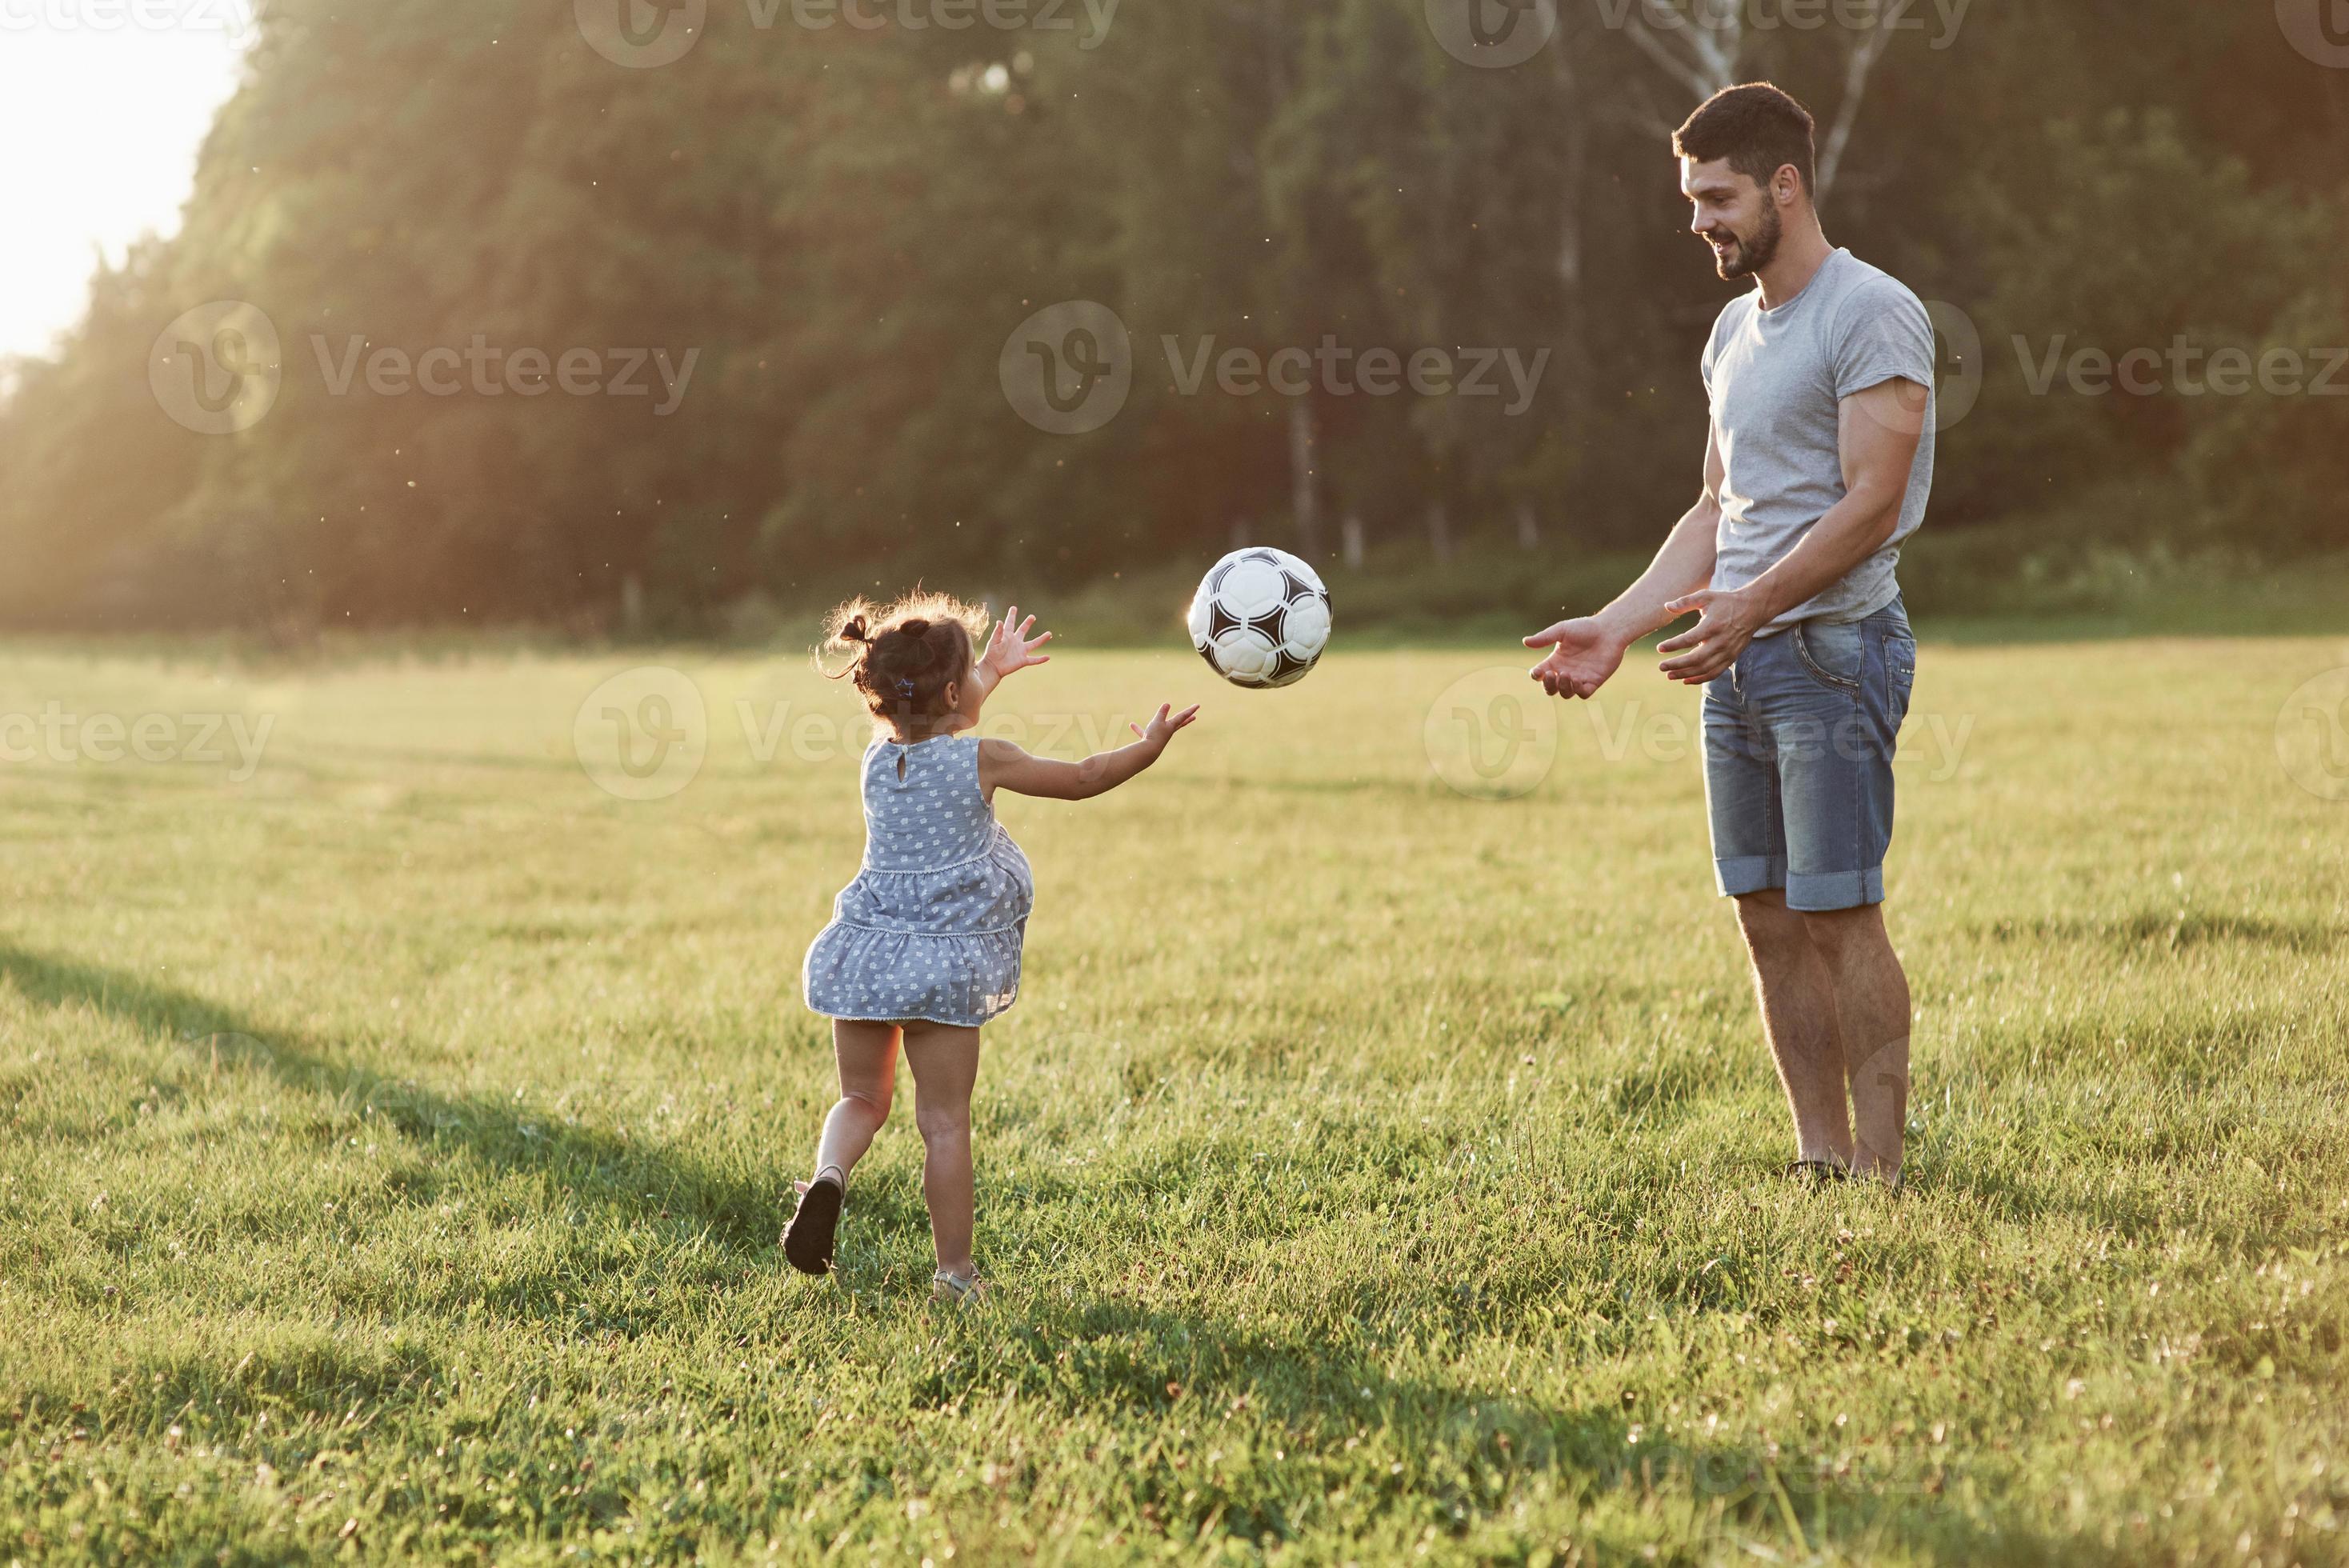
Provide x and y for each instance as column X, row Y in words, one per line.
column 103, row 105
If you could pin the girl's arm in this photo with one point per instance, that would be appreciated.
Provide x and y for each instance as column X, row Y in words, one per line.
column 1002, row 765
column 1008, row 652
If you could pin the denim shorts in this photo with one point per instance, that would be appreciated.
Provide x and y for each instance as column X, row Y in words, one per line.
column 1798, row 743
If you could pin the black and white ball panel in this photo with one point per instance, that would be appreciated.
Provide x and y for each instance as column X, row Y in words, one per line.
column 1260, row 618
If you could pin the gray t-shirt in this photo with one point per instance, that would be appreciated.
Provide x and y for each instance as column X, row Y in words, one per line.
column 1776, row 378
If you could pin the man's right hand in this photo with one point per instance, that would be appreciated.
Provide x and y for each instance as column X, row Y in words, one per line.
column 1584, row 653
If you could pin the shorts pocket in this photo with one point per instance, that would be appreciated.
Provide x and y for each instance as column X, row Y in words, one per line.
column 1900, row 676
column 1834, row 652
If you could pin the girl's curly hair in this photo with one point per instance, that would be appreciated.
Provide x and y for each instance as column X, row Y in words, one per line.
column 904, row 655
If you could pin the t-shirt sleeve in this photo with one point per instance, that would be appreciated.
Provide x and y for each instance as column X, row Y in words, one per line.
column 1711, row 356
column 1883, row 332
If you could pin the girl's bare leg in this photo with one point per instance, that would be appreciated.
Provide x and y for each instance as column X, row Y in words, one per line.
column 867, row 1057
column 945, row 1059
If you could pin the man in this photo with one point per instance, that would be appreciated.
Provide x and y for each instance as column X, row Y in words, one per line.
column 1818, row 466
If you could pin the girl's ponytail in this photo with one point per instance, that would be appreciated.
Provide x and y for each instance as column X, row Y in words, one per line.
column 904, row 656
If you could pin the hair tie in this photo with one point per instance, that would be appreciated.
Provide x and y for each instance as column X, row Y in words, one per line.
column 905, row 688
column 853, row 631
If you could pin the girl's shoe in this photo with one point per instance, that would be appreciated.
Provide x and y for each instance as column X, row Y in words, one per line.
column 807, row 1240
column 950, row 1287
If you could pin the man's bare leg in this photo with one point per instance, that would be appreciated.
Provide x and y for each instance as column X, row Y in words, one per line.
column 1799, row 1014
column 1871, row 1000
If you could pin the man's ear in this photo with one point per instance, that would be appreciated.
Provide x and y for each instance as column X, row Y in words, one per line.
column 1786, row 185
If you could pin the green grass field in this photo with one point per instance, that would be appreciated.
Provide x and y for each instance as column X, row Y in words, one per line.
column 394, row 1135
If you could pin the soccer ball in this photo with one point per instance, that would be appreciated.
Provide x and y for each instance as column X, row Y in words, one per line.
column 1260, row 618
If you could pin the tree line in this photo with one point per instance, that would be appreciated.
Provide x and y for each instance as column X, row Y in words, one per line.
column 617, row 312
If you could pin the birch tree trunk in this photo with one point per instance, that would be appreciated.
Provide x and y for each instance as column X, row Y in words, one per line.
column 1303, row 494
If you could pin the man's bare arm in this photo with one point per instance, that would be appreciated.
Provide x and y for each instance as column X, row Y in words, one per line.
column 1877, row 438
column 1878, row 431
column 1586, row 651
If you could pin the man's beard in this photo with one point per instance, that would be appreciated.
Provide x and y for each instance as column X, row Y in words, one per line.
column 1753, row 255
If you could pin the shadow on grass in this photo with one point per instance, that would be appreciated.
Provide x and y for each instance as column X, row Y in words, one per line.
column 1457, row 1453
column 642, row 1180
column 2172, row 930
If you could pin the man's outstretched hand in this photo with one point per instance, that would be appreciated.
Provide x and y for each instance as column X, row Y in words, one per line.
column 1583, row 653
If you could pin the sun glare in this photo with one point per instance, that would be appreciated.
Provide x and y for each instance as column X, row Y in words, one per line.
column 106, row 103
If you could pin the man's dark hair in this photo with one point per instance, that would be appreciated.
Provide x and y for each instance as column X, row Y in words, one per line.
column 1758, row 129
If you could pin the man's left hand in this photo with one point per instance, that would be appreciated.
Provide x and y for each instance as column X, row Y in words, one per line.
column 1727, row 623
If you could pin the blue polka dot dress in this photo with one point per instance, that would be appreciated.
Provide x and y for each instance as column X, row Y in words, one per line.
column 931, row 925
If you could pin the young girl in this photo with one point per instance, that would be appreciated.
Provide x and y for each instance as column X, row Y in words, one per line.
column 923, row 946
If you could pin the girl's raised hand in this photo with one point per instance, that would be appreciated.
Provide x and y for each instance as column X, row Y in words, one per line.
column 1010, row 649
column 1161, row 728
